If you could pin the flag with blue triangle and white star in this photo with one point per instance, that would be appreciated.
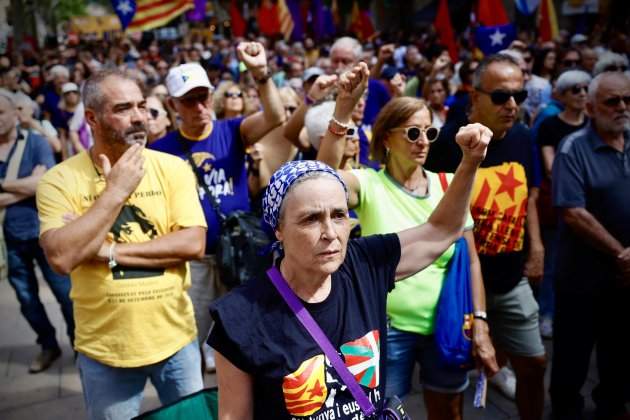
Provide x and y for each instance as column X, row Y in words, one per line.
column 492, row 39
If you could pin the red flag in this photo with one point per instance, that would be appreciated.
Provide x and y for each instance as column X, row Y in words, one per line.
column 361, row 22
column 268, row 21
column 491, row 13
column 445, row 30
column 238, row 23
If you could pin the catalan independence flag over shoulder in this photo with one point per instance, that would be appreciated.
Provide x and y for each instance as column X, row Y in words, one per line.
column 142, row 15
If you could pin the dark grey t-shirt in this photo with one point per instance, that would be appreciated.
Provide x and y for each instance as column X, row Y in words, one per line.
column 589, row 174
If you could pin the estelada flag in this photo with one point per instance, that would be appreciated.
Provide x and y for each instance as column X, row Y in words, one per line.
column 142, row 15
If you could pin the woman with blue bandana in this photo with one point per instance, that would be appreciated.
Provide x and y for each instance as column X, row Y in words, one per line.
column 399, row 196
column 268, row 365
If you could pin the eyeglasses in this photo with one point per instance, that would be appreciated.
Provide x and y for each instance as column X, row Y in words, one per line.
column 351, row 131
column 290, row 109
column 233, row 94
column 155, row 113
column 614, row 67
column 616, row 100
column 570, row 63
column 412, row 134
column 500, row 97
column 579, row 89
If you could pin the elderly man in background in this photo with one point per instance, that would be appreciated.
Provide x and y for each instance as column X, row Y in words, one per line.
column 591, row 189
column 30, row 156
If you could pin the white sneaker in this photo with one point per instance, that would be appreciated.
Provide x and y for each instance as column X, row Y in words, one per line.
column 505, row 382
column 208, row 355
column 546, row 328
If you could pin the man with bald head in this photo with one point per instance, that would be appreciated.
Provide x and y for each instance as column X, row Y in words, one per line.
column 591, row 188
column 123, row 221
column 507, row 233
column 31, row 155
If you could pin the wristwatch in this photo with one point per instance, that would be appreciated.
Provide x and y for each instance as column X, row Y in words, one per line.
column 112, row 257
column 482, row 315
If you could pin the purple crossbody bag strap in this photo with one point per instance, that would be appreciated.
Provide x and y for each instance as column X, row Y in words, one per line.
column 318, row 335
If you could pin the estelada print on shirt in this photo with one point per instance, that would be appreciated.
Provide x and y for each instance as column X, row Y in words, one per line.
column 499, row 208
column 312, row 389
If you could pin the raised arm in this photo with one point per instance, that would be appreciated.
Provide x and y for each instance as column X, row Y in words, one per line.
column 292, row 128
column 257, row 125
column 351, row 86
column 421, row 245
column 87, row 232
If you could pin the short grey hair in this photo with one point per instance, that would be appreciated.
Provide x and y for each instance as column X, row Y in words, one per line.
column 8, row 96
column 349, row 43
column 91, row 94
column 59, row 70
column 316, row 121
column 23, row 99
column 486, row 62
column 571, row 78
column 609, row 59
column 593, row 87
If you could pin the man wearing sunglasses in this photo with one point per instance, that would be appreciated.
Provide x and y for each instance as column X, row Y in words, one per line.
column 591, row 190
column 217, row 148
column 504, row 210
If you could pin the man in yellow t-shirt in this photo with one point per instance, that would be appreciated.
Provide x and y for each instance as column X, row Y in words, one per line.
column 123, row 222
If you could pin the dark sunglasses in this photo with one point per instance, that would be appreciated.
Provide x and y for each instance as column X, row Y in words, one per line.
column 570, row 63
column 413, row 133
column 500, row 97
column 192, row 100
column 578, row 89
column 614, row 67
column 290, row 109
column 350, row 132
column 616, row 100
column 154, row 113
column 233, row 94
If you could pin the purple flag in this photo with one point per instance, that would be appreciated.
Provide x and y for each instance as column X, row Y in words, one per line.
column 298, row 23
column 198, row 13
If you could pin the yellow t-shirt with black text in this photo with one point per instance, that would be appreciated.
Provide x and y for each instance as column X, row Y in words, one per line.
column 128, row 316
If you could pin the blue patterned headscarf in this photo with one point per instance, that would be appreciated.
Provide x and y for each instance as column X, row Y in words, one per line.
column 281, row 182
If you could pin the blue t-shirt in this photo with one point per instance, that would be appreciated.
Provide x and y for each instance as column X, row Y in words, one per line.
column 21, row 222
column 258, row 333
column 220, row 158
column 364, row 151
column 377, row 97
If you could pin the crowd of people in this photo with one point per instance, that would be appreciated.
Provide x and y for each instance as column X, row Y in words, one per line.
column 118, row 160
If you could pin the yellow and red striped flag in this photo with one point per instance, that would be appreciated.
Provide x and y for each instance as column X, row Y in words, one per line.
column 286, row 20
column 547, row 21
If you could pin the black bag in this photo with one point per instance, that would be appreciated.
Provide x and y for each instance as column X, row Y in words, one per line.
column 240, row 247
column 241, row 242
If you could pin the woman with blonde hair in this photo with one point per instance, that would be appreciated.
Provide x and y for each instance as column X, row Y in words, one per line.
column 229, row 101
column 400, row 195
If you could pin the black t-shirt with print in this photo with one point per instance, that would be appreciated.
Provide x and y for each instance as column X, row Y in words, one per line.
column 258, row 333
column 499, row 199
